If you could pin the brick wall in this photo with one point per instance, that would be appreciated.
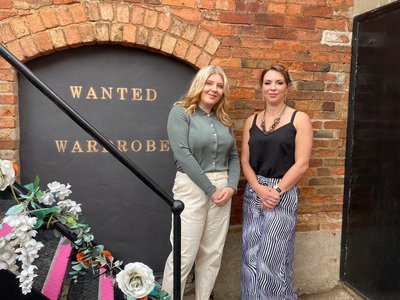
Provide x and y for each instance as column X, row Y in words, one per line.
column 311, row 37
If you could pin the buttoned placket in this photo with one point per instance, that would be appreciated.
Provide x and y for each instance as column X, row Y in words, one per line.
column 215, row 141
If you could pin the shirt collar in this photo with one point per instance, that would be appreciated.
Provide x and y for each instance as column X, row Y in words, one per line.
column 201, row 112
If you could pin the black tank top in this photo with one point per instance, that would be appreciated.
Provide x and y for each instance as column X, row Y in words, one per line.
column 272, row 155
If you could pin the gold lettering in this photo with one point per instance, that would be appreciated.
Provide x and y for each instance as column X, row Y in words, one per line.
column 75, row 91
column 136, row 148
column 91, row 146
column 61, row 144
column 105, row 92
column 150, row 146
column 151, row 94
column 77, row 147
column 122, row 145
column 136, row 94
column 91, row 94
column 122, row 93
column 164, row 145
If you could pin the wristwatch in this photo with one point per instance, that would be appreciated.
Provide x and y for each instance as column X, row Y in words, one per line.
column 278, row 189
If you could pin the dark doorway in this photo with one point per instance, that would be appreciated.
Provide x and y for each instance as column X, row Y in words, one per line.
column 370, row 258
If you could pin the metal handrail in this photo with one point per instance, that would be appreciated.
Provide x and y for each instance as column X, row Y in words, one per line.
column 176, row 206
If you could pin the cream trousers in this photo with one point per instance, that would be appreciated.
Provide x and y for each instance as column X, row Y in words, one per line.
column 204, row 230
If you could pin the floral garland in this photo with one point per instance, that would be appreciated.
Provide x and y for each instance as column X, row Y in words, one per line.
column 45, row 208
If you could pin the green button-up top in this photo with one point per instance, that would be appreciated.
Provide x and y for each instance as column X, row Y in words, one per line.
column 201, row 144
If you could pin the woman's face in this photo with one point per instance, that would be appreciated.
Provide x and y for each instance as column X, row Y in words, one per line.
column 274, row 87
column 212, row 92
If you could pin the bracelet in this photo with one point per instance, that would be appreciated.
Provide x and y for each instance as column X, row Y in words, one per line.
column 278, row 189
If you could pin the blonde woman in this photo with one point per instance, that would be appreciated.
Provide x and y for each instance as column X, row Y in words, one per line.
column 202, row 141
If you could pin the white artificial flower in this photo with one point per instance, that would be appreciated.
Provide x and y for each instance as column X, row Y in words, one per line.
column 64, row 191
column 70, row 206
column 61, row 190
column 54, row 186
column 20, row 245
column 136, row 280
column 7, row 174
column 47, row 199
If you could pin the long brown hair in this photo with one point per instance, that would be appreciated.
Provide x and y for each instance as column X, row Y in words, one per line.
column 191, row 100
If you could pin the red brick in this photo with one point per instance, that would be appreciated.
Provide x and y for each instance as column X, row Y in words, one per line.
column 87, row 33
column 328, row 24
column 300, row 22
column 250, row 6
column 65, row 1
column 207, row 4
column 49, row 18
column 181, row 48
column 6, row 14
column 5, row 4
column 123, row 13
column 203, row 60
column 137, row 16
column 201, row 38
column 29, row 46
column 8, row 99
column 19, row 27
column 7, row 75
column 155, row 39
column 269, row 20
column 238, row 18
column 294, row 9
column 44, row 43
column 316, row 67
column 6, row 33
column 186, row 3
column 72, row 36
column 276, row 8
column 281, row 33
column 8, row 144
column 15, row 48
column 288, row 45
column 218, row 29
column 6, row 123
column 64, row 15
column 318, row 11
column 78, row 13
column 189, row 14
column 192, row 54
column 163, row 22
column 150, row 19
column 93, row 12
column 309, row 35
column 129, row 33
column 106, row 11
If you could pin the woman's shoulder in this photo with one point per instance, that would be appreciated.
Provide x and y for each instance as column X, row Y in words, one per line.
column 178, row 109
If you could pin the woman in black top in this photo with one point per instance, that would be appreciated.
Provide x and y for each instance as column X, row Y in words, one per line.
column 276, row 151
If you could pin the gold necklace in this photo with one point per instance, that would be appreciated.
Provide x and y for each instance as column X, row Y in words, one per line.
column 274, row 124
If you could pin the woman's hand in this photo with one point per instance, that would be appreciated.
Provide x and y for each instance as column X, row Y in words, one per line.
column 221, row 197
column 269, row 197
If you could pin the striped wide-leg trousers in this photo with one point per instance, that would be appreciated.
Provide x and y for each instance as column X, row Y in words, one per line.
column 268, row 246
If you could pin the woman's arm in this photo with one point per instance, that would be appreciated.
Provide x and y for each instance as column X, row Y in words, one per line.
column 303, row 146
column 233, row 175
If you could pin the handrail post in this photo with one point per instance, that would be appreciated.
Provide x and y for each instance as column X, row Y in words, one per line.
column 177, row 209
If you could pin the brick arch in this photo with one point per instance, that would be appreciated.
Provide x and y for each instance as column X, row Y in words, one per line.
column 60, row 27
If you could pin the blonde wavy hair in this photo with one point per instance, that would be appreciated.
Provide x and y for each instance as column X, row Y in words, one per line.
column 191, row 100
